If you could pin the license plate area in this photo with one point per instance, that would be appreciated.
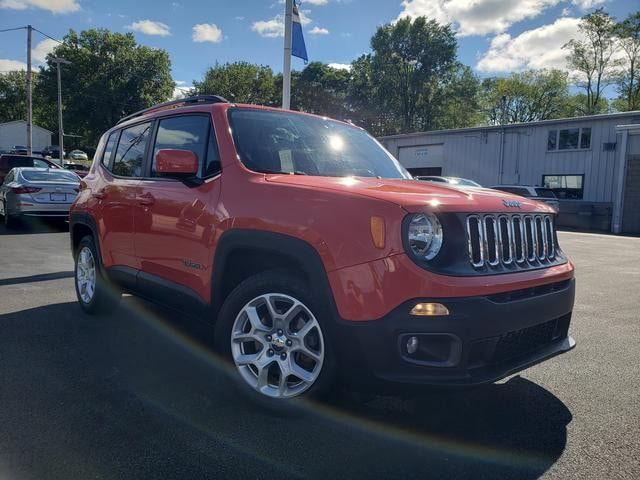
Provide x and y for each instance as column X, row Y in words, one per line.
column 58, row 197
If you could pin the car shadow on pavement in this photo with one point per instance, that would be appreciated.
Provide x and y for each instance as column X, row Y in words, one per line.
column 137, row 394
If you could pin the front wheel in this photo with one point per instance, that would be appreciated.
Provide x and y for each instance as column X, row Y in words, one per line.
column 272, row 331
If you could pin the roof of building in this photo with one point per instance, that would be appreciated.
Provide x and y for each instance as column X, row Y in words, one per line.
column 603, row 116
column 24, row 121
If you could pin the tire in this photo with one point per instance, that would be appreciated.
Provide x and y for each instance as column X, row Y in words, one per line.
column 280, row 349
column 10, row 221
column 95, row 293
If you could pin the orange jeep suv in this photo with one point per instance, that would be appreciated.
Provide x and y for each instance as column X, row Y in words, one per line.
column 314, row 254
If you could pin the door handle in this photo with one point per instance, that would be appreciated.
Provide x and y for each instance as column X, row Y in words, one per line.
column 146, row 200
column 99, row 195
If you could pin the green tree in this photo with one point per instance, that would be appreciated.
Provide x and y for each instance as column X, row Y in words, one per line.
column 628, row 80
column 110, row 76
column 460, row 100
column 574, row 106
column 361, row 102
column 13, row 97
column 592, row 57
column 322, row 90
column 240, row 82
column 407, row 62
column 525, row 97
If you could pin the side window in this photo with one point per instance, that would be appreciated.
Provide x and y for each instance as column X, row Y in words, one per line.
column 188, row 132
column 552, row 140
column 585, row 138
column 130, row 152
column 40, row 164
column 9, row 178
column 109, row 148
column 569, row 139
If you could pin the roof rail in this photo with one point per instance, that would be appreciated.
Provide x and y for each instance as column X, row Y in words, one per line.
column 181, row 102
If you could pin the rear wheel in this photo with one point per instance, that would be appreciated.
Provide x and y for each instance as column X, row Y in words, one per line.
column 95, row 293
column 9, row 220
column 272, row 331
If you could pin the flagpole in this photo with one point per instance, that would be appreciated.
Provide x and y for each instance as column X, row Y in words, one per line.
column 286, row 70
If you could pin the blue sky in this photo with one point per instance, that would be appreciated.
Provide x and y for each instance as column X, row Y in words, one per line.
column 494, row 36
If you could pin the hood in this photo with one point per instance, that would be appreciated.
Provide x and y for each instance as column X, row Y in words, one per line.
column 416, row 196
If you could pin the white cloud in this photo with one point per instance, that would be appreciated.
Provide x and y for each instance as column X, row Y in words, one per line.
column 150, row 27
column 275, row 27
column 316, row 2
column 54, row 6
column 180, row 90
column 340, row 66
column 537, row 48
column 240, row 18
column 39, row 54
column 319, row 31
column 479, row 17
column 587, row 4
column 206, row 32
column 7, row 65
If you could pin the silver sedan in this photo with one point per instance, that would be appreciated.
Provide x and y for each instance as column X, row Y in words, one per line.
column 37, row 192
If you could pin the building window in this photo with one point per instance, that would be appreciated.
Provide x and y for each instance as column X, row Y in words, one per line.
column 552, row 141
column 569, row 139
column 569, row 187
column 585, row 138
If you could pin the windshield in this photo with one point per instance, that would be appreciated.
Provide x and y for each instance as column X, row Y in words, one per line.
column 281, row 142
column 49, row 176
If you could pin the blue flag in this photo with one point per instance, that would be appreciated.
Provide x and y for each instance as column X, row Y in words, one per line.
column 298, row 48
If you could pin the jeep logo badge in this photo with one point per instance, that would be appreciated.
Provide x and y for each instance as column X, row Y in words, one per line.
column 511, row 203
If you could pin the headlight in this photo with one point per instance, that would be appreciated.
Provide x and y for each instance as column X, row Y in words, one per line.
column 425, row 236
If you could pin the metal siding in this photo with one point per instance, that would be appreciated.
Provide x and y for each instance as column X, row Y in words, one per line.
column 15, row 133
column 476, row 154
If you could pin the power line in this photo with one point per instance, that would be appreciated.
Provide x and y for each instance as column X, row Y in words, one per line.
column 48, row 36
column 12, row 29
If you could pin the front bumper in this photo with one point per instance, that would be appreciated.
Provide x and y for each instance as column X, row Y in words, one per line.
column 483, row 339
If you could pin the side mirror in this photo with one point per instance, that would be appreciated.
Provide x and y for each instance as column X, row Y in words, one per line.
column 180, row 163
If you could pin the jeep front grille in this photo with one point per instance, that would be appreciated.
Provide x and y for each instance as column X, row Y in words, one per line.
column 525, row 240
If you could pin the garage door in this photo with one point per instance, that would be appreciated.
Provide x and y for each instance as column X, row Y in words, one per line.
column 422, row 156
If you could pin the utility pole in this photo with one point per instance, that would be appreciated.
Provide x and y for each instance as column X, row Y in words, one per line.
column 29, row 99
column 58, row 61
column 286, row 70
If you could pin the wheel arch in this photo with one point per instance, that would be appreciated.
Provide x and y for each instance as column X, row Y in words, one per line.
column 241, row 253
column 81, row 225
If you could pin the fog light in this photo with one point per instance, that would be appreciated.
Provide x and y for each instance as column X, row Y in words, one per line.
column 412, row 345
column 429, row 310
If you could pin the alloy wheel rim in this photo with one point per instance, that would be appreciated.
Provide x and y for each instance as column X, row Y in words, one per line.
column 277, row 345
column 86, row 275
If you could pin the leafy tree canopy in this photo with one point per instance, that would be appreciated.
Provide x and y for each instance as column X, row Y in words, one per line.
column 109, row 76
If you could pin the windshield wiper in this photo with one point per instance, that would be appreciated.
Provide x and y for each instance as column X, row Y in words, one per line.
column 279, row 172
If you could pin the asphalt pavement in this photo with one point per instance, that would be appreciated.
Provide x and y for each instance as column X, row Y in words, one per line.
column 137, row 394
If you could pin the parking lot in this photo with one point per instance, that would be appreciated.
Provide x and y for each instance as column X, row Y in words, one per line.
column 138, row 395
